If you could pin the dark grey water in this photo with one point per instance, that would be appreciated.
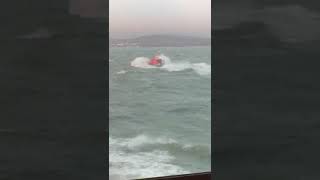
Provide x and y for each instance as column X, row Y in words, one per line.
column 160, row 118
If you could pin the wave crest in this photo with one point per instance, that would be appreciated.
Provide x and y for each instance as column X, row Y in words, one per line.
column 199, row 68
column 145, row 156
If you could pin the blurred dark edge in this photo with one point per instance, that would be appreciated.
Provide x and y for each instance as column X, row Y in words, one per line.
column 53, row 90
column 266, row 89
column 195, row 176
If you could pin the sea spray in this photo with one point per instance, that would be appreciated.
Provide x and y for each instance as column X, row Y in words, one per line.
column 126, row 160
column 200, row 68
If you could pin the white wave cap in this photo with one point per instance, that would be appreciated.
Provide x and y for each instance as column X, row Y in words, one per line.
column 126, row 162
column 203, row 69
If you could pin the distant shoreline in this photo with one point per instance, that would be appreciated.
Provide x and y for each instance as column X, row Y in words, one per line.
column 161, row 41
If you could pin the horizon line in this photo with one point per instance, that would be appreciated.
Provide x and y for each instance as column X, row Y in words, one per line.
column 155, row 34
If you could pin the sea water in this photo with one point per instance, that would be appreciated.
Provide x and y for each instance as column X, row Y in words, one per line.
column 159, row 117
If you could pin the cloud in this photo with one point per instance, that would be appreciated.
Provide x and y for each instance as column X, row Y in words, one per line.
column 156, row 16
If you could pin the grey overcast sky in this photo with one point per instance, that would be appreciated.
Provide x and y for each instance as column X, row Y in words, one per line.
column 130, row 18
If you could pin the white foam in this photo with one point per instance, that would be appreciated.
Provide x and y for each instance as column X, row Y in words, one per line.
column 141, row 62
column 141, row 140
column 122, row 72
column 199, row 68
column 126, row 161
column 202, row 68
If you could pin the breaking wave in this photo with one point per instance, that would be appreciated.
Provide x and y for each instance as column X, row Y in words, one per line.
column 199, row 68
column 143, row 156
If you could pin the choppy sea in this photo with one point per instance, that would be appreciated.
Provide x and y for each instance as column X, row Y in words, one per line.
column 160, row 117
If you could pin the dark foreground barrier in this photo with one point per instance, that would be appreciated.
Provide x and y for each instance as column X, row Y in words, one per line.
column 196, row 176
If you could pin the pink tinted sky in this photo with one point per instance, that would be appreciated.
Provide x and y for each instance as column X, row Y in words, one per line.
column 140, row 17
